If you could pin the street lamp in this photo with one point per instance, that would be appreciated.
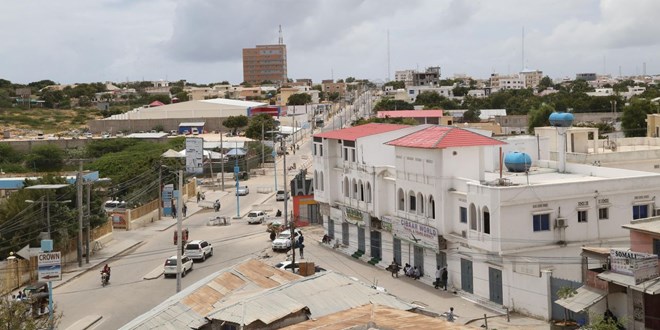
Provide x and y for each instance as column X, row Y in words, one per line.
column 179, row 207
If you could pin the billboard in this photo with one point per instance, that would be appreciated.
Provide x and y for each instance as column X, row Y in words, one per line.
column 642, row 266
column 194, row 155
column 273, row 110
column 50, row 266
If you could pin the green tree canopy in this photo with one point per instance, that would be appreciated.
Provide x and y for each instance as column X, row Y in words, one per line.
column 254, row 128
column 235, row 122
column 8, row 154
column 389, row 104
column 299, row 99
column 45, row 158
column 396, row 84
column 633, row 120
column 539, row 116
column 386, row 120
column 471, row 116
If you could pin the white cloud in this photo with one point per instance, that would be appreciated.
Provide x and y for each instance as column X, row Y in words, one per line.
column 202, row 40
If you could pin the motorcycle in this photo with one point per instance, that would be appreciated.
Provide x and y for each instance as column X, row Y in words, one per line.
column 104, row 278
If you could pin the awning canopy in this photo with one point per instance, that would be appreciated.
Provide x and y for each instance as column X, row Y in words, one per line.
column 651, row 287
column 236, row 152
column 586, row 297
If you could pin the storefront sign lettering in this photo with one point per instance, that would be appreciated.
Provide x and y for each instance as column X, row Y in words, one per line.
column 416, row 233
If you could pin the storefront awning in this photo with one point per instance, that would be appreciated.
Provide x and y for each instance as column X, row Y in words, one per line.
column 651, row 287
column 584, row 298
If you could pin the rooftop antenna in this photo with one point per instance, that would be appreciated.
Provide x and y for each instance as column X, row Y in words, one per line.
column 280, row 40
column 388, row 55
column 523, row 49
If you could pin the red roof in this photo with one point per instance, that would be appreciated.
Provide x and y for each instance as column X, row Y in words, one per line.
column 156, row 103
column 440, row 137
column 355, row 132
column 411, row 114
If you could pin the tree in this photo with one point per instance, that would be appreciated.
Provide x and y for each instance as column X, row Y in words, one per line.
column 299, row 99
column 539, row 116
column 471, row 116
column 8, row 154
column 45, row 158
column 396, row 84
column 545, row 83
column 388, row 104
column 428, row 99
column 16, row 315
column 159, row 97
column 235, row 122
column 633, row 120
column 350, row 79
column 386, row 120
column 566, row 292
column 254, row 128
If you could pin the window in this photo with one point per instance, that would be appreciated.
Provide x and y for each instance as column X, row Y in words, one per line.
column 656, row 247
column 353, row 155
column 355, row 189
column 316, row 180
column 582, row 216
column 345, row 154
column 431, row 207
column 463, row 214
column 473, row 217
column 603, row 213
column 368, row 198
column 402, row 201
column 314, row 150
column 346, row 188
column 541, row 222
column 412, row 201
column 361, row 191
column 420, row 198
column 486, row 221
column 640, row 211
column 321, row 181
column 321, row 150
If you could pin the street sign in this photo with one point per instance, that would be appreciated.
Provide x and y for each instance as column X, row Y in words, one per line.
column 50, row 266
column 27, row 252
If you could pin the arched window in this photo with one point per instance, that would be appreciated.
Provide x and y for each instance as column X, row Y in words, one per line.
column 473, row 217
column 401, row 199
column 485, row 218
column 355, row 189
column 316, row 179
column 412, row 201
column 420, row 201
column 368, row 192
column 431, row 207
column 321, row 181
column 361, row 192
column 346, row 187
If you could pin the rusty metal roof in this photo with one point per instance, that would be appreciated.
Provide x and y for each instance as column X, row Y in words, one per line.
column 355, row 132
column 380, row 317
column 188, row 308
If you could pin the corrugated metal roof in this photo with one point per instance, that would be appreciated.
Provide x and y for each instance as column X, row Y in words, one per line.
column 649, row 226
column 380, row 317
column 356, row 132
column 324, row 293
column 583, row 299
column 236, row 103
column 411, row 114
column 440, row 137
column 188, row 308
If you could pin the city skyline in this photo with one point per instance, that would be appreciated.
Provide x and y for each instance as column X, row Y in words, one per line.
column 201, row 41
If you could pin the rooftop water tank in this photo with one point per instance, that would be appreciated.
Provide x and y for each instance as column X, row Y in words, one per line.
column 517, row 162
column 561, row 119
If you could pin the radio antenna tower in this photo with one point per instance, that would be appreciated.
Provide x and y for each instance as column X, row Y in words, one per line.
column 523, row 49
column 280, row 40
column 388, row 55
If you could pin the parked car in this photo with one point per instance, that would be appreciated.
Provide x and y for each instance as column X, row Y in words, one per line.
column 287, row 265
column 170, row 266
column 242, row 191
column 199, row 250
column 283, row 241
column 256, row 217
column 280, row 195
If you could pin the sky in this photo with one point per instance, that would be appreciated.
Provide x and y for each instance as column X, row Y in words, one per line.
column 201, row 41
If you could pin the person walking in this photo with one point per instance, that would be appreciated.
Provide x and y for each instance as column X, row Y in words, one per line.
column 199, row 196
column 444, row 277
column 301, row 246
column 184, row 209
column 438, row 273
column 173, row 210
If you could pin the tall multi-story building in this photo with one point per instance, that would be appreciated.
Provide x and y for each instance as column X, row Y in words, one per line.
column 429, row 77
column 265, row 62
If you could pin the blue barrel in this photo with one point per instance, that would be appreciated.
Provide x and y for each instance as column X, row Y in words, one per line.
column 517, row 162
column 561, row 119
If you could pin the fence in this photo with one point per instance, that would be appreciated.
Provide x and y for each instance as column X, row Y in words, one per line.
column 143, row 210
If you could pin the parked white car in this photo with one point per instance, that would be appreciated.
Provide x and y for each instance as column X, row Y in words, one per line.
column 199, row 250
column 280, row 195
column 256, row 217
column 170, row 266
column 283, row 241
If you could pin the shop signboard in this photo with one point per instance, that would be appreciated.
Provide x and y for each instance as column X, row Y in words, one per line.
column 416, row 233
column 642, row 266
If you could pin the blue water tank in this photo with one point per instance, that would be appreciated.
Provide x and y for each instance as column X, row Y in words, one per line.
column 561, row 119
column 517, row 162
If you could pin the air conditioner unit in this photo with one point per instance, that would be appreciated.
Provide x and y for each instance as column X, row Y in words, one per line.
column 464, row 233
column 560, row 223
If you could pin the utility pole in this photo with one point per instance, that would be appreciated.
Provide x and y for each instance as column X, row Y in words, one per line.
column 79, row 201
column 179, row 241
column 236, row 170
column 286, row 211
column 263, row 160
column 87, row 221
column 222, row 162
column 160, row 190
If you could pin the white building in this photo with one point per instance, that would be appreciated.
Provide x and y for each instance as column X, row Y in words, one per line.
column 428, row 196
column 413, row 91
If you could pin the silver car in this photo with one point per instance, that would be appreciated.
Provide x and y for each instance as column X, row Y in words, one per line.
column 170, row 266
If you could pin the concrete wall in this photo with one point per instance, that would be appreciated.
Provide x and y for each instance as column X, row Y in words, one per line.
column 136, row 125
